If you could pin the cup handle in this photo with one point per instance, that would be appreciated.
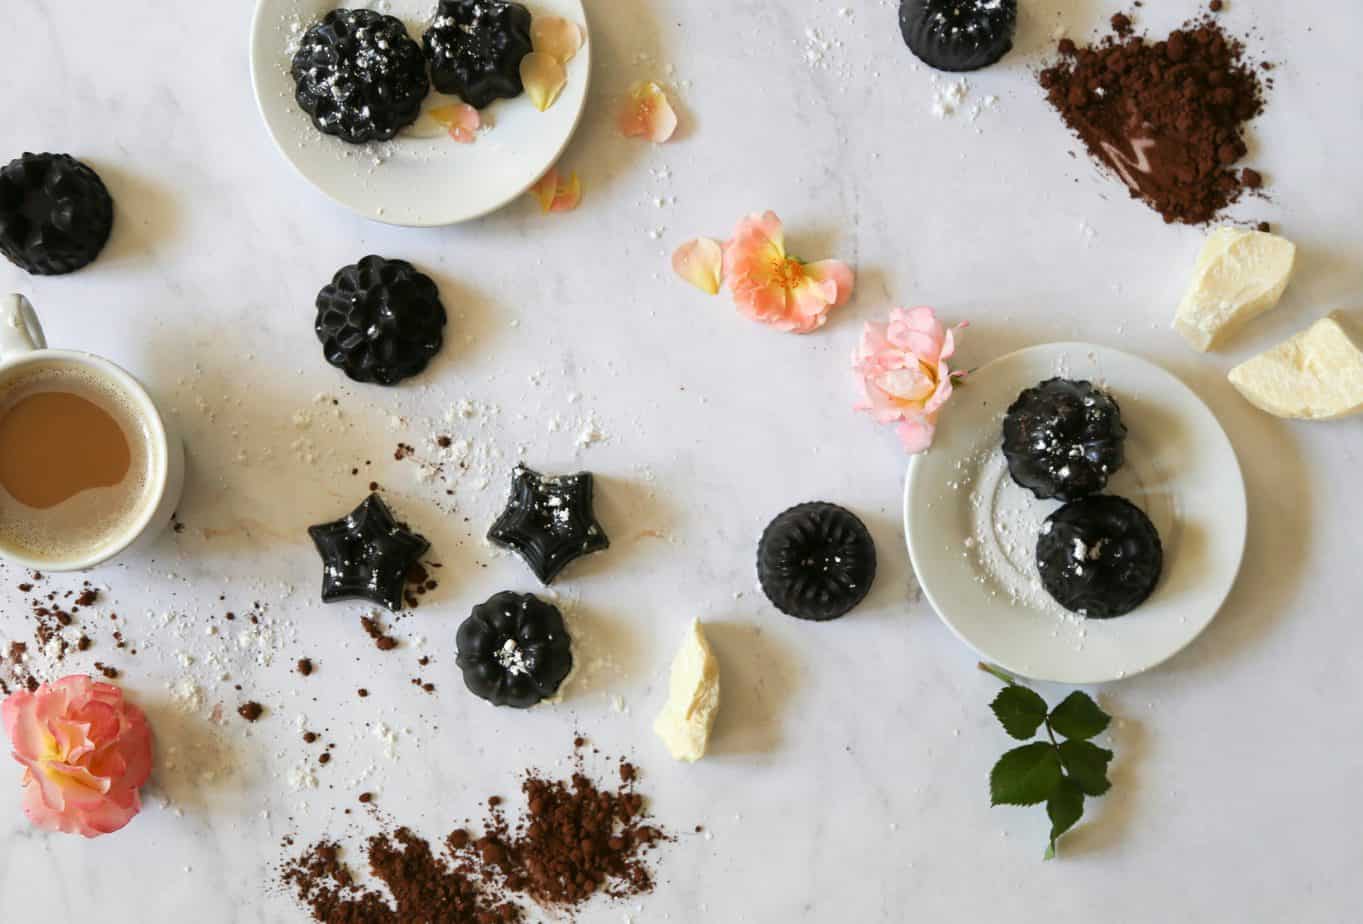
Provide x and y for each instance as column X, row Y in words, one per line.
column 20, row 331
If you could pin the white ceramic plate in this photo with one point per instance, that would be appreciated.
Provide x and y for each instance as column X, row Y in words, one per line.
column 972, row 531
column 421, row 178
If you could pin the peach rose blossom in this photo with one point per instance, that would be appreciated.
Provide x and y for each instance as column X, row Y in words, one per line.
column 777, row 289
column 904, row 373
column 86, row 752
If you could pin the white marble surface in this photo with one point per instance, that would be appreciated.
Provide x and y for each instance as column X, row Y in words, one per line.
column 848, row 780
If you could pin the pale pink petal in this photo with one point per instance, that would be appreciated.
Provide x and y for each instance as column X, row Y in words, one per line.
column 837, row 272
column 700, row 261
column 557, row 37
column 647, row 113
column 461, row 120
column 556, row 194
column 544, row 78
column 917, row 434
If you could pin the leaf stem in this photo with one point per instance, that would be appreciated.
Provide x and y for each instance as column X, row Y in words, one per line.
column 999, row 672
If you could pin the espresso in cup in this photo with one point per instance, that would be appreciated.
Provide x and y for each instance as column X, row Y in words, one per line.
column 76, row 461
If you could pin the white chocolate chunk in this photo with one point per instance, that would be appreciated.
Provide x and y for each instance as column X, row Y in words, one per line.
column 693, row 698
column 1317, row 375
column 1239, row 276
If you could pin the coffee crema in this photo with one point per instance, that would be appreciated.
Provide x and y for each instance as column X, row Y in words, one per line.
column 75, row 463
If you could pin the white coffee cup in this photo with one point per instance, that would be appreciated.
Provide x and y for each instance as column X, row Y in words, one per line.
column 23, row 347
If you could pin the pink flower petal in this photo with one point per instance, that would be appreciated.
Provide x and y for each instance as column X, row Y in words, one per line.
column 557, row 37
column 700, row 261
column 837, row 272
column 460, row 119
column 555, row 194
column 544, row 78
column 647, row 113
column 917, row 434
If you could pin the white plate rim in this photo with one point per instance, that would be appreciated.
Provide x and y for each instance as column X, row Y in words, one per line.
column 1002, row 659
column 256, row 62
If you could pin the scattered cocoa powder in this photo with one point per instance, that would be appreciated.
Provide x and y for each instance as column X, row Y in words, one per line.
column 572, row 841
column 375, row 629
column 250, row 711
column 1167, row 116
column 305, row 666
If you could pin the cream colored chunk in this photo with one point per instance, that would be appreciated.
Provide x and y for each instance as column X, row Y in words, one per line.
column 1239, row 276
column 693, row 698
column 1317, row 375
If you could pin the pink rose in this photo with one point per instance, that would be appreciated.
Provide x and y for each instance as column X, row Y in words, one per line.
column 777, row 289
column 904, row 373
column 86, row 752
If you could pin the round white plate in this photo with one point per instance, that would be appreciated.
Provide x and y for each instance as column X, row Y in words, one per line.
column 421, row 178
column 972, row 531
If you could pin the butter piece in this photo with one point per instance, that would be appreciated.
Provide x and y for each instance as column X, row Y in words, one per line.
column 1317, row 375
column 1239, row 276
column 693, row 698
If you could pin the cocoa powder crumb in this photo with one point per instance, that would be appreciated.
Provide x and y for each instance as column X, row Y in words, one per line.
column 310, row 737
column 251, row 710
column 305, row 666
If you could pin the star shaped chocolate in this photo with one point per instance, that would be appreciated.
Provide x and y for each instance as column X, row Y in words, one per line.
column 549, row 521
column 366, row 555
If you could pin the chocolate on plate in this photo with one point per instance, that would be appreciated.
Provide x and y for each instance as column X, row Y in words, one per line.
column 549, row 521
column 816, row 561
column 360, row 76
column 380, row 320
column 55, row 214
column 1100, row 557
column 366, row 555
column 514, row 650
column 958, row 35
column 475, row 48
column 1063, row 439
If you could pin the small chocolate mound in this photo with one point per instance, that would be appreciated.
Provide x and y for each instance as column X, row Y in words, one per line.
column 1167, row 117
column 1063, row 439
column 1100, row 557
column 475, row 48
column 250, row 711
column 380, row 320
column 816, row 561
column 360, row 76
column 958, row 35
column 55, row 214
column 514, row 650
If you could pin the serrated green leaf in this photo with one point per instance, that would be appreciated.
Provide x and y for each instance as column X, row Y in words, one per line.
column 1025, row 776
column 1078, row 716
column 1065, row 807
column 1086, row 764
column 1020, row 711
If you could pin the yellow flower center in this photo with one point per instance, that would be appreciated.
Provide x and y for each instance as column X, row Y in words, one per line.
column 788, row 273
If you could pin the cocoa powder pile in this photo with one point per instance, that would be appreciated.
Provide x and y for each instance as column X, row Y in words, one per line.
column 573, row 840
column 1168, row 117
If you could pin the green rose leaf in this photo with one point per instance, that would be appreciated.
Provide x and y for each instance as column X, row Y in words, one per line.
column 1020, row 710
column 1027, row 775
column 1065, row 807
column 1087, row 765
column 1078, row 716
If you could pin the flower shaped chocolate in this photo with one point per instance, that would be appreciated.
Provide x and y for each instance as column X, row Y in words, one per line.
column 366, row 555
column 514, row 650
column 549, row 521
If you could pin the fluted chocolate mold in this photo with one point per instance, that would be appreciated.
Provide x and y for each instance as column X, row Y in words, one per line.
column 475, row 48
column 1100, row 557
column 55, row 214
column 1064, row 439
column 816, row 561
column 958, row 35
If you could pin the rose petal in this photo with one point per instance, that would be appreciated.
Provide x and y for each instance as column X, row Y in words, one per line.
column 461, row 121
column 646, row 113
column 557, row 37
column 544, row 78
column 700, row 262
column 917, row 434
column 555, row 194
column 837, row 272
